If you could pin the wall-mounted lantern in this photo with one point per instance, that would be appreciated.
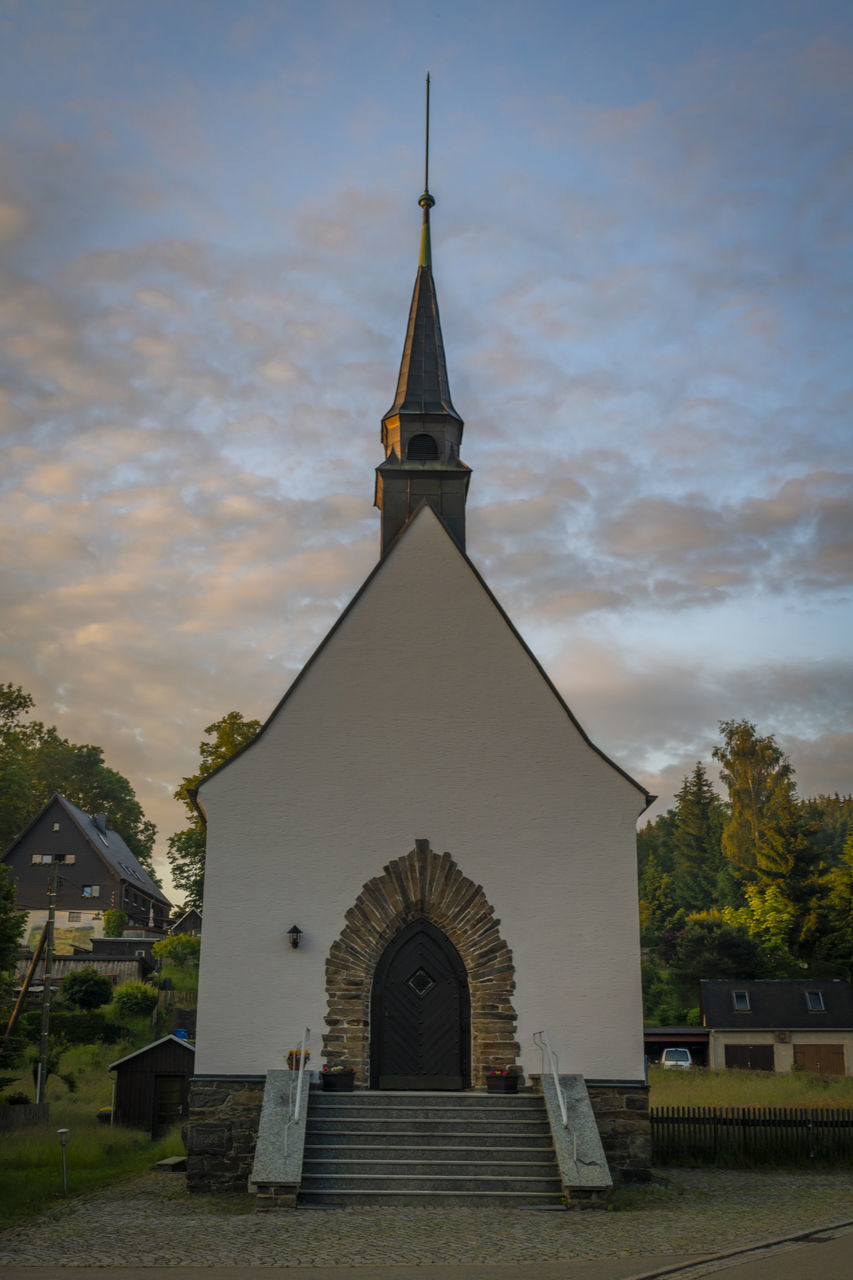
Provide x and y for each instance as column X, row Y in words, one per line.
column 294, row 933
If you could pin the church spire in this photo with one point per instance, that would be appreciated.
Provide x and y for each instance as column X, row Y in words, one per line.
column 422, row 432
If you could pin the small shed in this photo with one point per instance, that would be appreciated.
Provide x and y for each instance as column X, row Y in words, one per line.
column 151, row 1086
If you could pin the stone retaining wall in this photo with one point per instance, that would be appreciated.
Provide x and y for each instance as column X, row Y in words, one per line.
column 622, row 1115
column 222, row 1131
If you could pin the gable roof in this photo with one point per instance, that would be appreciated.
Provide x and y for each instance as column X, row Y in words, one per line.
column 107, row 844
column 185, row 1044
column 419, row 514
column 777, row 1003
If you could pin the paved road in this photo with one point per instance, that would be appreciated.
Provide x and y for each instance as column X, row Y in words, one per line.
column 827, row 1256
column 151, row 1229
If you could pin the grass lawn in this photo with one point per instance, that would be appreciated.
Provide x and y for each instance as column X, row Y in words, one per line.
column 701, row 1088
column 30, row 1158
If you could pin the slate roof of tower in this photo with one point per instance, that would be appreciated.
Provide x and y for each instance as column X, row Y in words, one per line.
column 422, row 385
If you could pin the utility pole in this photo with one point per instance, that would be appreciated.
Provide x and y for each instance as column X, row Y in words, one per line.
column 41, row 1080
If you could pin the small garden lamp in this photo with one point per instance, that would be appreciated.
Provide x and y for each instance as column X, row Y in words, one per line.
column 63, row 1139
column 294, row 933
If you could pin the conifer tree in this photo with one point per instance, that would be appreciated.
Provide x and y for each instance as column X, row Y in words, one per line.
column 698, row 859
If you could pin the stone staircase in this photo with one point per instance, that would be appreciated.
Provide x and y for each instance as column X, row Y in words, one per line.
column 460, row 1148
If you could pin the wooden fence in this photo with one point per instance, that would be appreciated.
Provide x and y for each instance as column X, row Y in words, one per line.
column 738, row 1136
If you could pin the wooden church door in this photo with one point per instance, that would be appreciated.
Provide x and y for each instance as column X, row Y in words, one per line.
column 420, row 1013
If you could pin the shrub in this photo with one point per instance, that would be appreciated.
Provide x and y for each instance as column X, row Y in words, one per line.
column 115, row 922
column 179, row 948
column 135, row 999
column 86, row 1028
column 86, row 989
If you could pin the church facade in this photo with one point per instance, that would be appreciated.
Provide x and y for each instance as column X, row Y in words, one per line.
column 459, row 858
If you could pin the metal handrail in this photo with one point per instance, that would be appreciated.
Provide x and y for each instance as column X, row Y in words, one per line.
column 543, row 1042
column 303, row 1046
column 293, row 1116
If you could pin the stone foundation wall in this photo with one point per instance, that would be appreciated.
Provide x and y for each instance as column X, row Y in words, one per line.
column 222, row 1131
column 622, row 1115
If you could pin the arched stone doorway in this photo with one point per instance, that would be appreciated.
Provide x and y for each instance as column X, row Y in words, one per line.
column 420, row 1032
column 422, row 886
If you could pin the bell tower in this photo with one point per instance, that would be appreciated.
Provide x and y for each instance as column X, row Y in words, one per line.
column 422, row 432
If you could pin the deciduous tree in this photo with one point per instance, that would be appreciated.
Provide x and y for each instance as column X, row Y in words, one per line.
column 35, row 762
column 759, row 779
column 86, row 988
column 186, row 848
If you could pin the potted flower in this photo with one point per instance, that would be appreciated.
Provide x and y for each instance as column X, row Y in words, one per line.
column 293, row 1058
column 502, row 1080
column 338, row 1078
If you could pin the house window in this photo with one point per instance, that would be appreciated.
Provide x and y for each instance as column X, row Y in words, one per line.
column 56, row 826
column 814, row 1001
column 74, row 917
column 740, row 1001
column 42, row 859
column 91, row 891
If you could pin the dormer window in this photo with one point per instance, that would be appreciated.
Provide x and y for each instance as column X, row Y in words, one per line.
column 740, row 1001
column 814, row 1001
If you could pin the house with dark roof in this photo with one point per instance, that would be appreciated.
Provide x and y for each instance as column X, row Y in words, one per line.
column 779, row 1024
column 97, row 872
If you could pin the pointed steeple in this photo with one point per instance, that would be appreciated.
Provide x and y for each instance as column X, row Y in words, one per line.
column 422, row 432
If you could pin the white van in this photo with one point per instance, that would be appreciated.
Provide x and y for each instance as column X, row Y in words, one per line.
column 676, row 1059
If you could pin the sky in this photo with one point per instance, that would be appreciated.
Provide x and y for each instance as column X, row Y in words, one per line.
column 643, row 251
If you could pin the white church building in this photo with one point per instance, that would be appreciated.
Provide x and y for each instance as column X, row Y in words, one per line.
column 458, row 857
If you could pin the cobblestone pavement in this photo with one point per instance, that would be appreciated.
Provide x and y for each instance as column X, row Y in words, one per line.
column 152, row 1221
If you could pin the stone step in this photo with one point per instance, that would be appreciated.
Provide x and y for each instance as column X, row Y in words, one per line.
column 459, row 1138
column 444, row 1165
column 418, row 1125
column 424, row 1098
column 464, row 1148
column 482, row 1106
column 430, row 1182
column 363, row 1098
column 402, row 1197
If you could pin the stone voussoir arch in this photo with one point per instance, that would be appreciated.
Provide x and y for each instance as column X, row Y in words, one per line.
column 422, row 885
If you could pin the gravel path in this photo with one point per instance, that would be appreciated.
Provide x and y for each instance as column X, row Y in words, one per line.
column 152, row 1221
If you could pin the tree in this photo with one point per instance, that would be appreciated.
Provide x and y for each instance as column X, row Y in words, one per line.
column 836, row 945
column 115, row 922
column 711, row 947
column 12, row 925
column 35, row 762
column 186, row 848
column 697, row 855
column 759, row 779
column 657, row 904
column 86, row 989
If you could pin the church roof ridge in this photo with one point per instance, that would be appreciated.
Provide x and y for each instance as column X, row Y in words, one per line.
column 416, row 515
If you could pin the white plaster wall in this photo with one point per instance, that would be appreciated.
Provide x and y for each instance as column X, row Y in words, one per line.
column 421, row 718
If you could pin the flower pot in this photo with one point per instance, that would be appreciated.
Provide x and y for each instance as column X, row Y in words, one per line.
column 338, row 1081
column 502, row 1084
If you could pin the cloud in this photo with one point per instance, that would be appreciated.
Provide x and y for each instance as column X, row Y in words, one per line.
column 645, row 300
